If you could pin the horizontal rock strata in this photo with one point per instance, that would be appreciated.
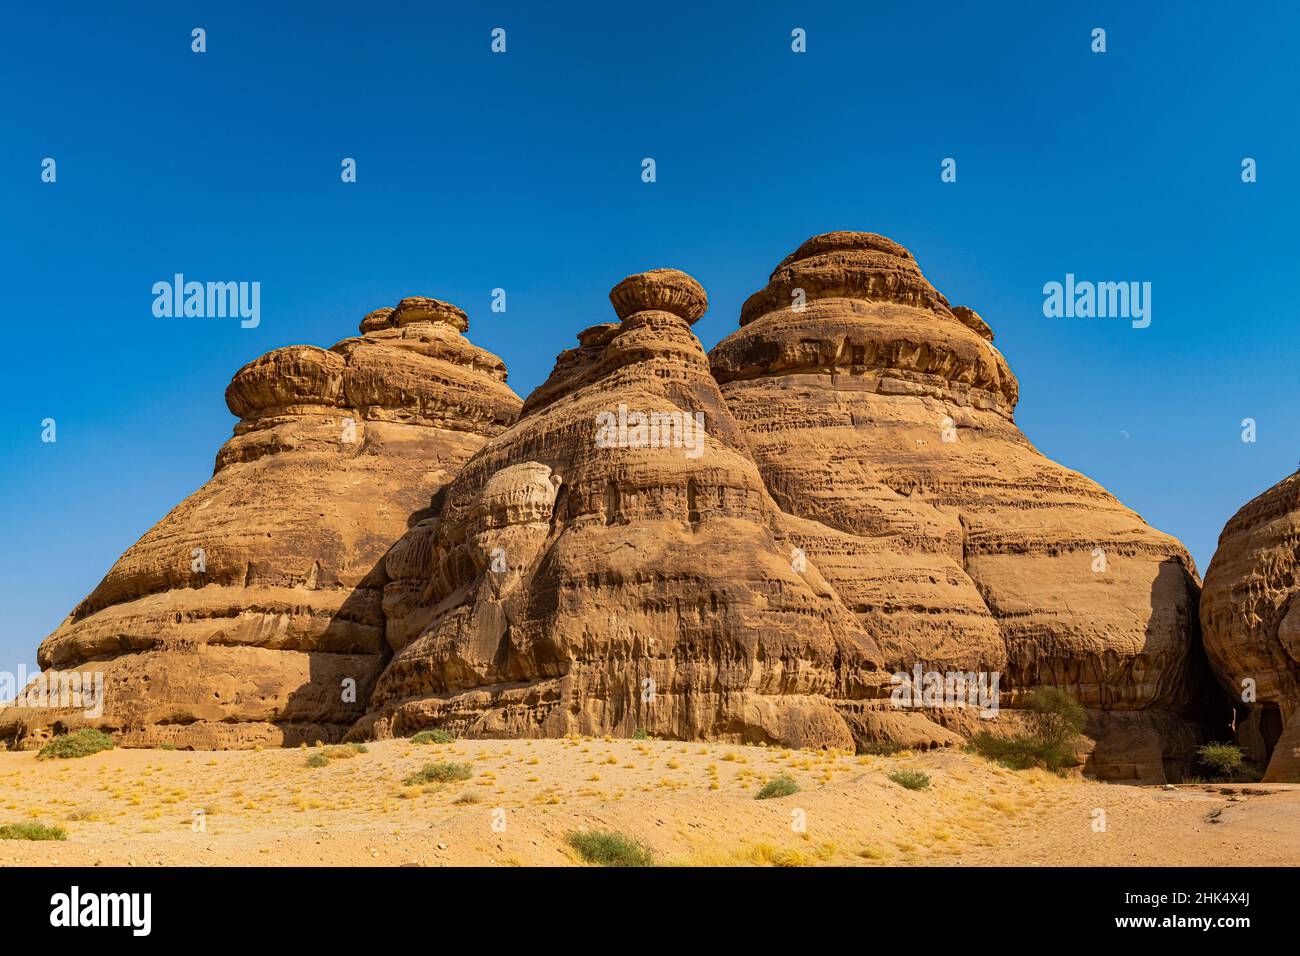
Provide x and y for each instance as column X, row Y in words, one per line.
column 882, row 419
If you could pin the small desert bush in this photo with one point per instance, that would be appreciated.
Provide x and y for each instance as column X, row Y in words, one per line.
column 608, row 848
column 1057, row 719
column 1023, row 752
column 884, row 748
column 468, row 797
column 1227, row 761
column 640, row 735
column 441, row 772
column 339, row 752
column 782, row 786
column 434, row 735
column 31, row 831
column 911, row 779
column 79, row 743
column 1058, row 715
column 787, row 858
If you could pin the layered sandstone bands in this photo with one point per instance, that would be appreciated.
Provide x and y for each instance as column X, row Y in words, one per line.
column 253, row 612
column 1250, row 611
column 883, row 419
column 575, row 586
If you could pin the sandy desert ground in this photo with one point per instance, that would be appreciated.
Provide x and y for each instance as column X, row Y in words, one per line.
column 693, row 804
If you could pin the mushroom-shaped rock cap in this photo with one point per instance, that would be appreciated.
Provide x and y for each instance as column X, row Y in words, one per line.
column 830, row 242
column 378, row 319
column 419, row 308
column 847, row 265
column 664, row 290
column 293, row 375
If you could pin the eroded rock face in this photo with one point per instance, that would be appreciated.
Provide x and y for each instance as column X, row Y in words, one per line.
column 882, row 419
column 614, row 562
column 252, row 613
column 1250, row 612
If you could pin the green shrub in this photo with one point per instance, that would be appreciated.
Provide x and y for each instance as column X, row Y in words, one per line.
column 339, row 752
column 434, row 735
column 1226, row 760
column 1059, row 717
column 607, row 848
column 911, row 779
column 1023, row 752
column 31, row 831
column 781, row 786
column 1057, row 720
column 442, row 772
column 79, row 743
column 640, row 735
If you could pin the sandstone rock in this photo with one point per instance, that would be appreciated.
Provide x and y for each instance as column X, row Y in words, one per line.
column 252, row 613
column 739, row 547
column 663, row 290
column 882, row 420
column 419, row 308
column 874, row 727
column 378, row 319
column 594, row 571
column 1250, row 612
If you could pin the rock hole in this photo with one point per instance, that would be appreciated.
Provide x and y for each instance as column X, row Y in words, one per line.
column 612, row 502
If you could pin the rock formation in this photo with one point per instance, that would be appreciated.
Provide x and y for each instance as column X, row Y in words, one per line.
column 252, row 613
column 742, row 546
column 1250, row 613
column 613, row 562
column 882, row 419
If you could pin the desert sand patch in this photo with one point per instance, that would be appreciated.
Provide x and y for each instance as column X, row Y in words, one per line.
column 693, row 804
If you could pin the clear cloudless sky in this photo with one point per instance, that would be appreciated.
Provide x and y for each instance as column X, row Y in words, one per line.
column 523, row 171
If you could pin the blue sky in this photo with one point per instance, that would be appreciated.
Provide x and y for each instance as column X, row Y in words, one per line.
column 522, row 171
